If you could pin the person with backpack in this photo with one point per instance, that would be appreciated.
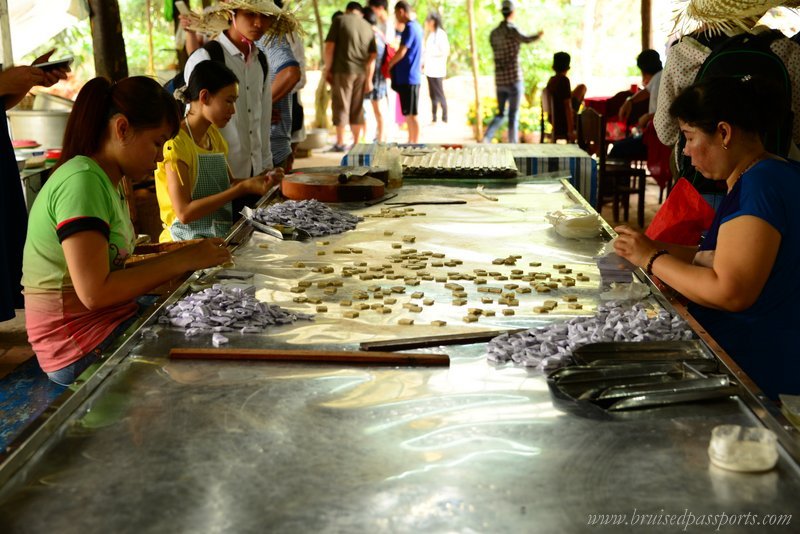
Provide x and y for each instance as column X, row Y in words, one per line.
column 241, row 23
column 742, row 280
column 193, row 184
column 736, row 41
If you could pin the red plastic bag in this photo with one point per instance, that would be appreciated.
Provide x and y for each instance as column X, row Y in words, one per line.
column 387, row 57
column 683, row 217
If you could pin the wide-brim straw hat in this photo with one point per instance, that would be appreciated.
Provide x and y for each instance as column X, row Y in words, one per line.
column 716, row 16
column 218, row 18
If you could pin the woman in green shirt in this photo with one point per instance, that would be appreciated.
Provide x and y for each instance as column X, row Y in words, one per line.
column 77, row 292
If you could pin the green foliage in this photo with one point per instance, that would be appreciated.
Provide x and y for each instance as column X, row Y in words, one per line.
column 77, row 40
column 529, row 117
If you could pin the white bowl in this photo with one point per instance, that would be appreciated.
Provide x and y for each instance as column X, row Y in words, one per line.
column 745, row 449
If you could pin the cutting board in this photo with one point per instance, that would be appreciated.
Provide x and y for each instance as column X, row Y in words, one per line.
column 325, row 187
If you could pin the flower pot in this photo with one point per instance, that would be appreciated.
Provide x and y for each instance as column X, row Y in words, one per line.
column 316, row 138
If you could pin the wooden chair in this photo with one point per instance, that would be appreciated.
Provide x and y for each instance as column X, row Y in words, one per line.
column 616, row 179
column 544, row 117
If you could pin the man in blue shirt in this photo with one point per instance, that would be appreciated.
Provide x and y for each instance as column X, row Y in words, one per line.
column 406, row 68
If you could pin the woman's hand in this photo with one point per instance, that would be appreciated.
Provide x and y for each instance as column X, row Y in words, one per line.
column 275, row 176
column 257, row 185
column 634, row 246
column 206, row 253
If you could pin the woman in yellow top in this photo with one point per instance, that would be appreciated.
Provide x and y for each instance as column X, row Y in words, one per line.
column 193, row 183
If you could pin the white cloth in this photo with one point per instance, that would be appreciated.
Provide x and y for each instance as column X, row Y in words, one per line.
column 248, row 132
column 299, row 51
column 684, row 60
column 437, row 48
column 652, row 88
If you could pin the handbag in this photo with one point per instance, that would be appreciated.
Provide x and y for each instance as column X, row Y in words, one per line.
column 683, row 217
column 387, row 57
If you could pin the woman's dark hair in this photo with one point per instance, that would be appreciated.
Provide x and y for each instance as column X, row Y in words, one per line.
column 436, row 18
column 140, row 99
column 753, row 104
column 209, row 75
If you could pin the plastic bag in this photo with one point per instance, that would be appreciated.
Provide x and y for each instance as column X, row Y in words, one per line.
column 574, row 223
column 683, row 217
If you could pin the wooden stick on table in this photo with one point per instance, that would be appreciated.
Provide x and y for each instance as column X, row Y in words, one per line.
column 435, row 341
column 316, row 356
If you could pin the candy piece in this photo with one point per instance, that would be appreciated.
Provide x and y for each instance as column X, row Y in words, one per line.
column 406, row 322
column 218, row 339
column 508, row 311
column 438, row 323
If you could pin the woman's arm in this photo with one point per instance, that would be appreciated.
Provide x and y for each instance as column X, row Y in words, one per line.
column 98, row 287
column 746, row 250
column 188, row 210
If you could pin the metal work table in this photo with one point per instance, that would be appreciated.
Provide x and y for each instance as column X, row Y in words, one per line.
column 152, row 445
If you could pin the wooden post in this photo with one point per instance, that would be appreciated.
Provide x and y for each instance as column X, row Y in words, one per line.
column 474, row 53
column 151, row 68
column 319, row 31
column 647, row 24
column 322, row 96
column 107, row 40
column 5, row 31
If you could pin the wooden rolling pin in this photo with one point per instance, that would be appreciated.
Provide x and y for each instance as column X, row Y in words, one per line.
column 316, row 356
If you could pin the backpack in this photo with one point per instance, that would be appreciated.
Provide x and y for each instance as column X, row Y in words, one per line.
column 215, row 52
column 387, row 57
column 740, row 55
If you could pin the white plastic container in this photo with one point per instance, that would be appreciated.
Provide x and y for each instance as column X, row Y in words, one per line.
column 744, row 449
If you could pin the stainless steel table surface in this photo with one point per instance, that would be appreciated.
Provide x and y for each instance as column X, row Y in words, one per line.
column 188, row 446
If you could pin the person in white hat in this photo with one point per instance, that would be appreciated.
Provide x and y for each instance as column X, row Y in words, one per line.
column 702, row 22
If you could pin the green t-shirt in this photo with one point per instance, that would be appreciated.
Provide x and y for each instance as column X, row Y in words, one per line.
column 354, row 40
column 78, row 197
